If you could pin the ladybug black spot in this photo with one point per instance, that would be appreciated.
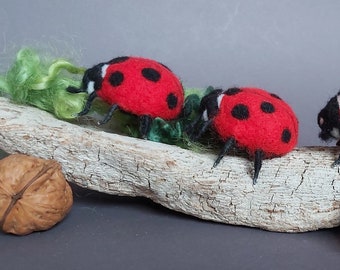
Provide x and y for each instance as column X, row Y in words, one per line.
column 172, row 101
column 240, row 111
column 151, row 74
column 286, row 135
column 116, row 78
column 233, row 91
column 118, row 60
column 267, row 107
column 275, row 96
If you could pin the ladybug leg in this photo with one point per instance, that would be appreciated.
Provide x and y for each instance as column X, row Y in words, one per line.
column 108, row 116
column 203, row 128
column 88, row 104
column 230, row 143
column 145, row 122
column 257, row 164
column 190, row 128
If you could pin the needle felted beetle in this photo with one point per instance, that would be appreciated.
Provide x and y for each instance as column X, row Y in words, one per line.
column 136, row 85
column 329, row 122
column 248, row 118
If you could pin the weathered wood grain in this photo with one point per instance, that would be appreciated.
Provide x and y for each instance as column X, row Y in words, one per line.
column 298, row 192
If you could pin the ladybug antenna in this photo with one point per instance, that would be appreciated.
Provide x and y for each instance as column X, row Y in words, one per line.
column 72, row 89
column 257, row 164
column 230, row 143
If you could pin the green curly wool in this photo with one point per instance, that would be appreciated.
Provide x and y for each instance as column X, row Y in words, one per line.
column 173, row 132
column 43, row 84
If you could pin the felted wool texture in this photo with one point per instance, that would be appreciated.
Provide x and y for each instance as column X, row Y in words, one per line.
column 42, row 83
column 140, row 96
column 173, row 132
column 261, row 130
column 329, row 118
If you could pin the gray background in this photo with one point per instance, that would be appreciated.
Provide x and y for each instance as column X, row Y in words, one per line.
column 288, row 47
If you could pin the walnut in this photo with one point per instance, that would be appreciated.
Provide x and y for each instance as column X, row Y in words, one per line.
column 34, row 194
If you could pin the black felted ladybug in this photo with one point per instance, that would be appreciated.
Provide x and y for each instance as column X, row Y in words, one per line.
column 249, row 118
column 136, row 85
column 329, row 122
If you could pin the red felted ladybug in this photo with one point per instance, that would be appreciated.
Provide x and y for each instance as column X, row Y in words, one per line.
column 136, row 85
column 249, row 118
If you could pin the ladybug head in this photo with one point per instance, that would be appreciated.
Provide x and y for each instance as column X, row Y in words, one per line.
column 209, row 104
column 92, row 80
column 329, row 119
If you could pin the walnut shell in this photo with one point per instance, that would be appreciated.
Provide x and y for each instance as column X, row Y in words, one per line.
column 34, row 194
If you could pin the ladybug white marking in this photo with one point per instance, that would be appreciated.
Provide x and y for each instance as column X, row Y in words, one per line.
column 104, row 69
column 335, row 133
column 219, row 100
column 205, row 115
column 90, row 87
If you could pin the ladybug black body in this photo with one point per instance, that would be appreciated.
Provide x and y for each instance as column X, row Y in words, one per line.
column 136, row 85
column 249, row 118
column 329, row 122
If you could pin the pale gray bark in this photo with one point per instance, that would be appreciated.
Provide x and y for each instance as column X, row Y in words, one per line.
column 295, row 193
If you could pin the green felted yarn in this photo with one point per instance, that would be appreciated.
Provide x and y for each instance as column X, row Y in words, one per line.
column 43, row 84
column 173, row 132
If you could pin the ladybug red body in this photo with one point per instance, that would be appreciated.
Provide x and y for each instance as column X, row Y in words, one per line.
column 136, row 85
column 250, row 118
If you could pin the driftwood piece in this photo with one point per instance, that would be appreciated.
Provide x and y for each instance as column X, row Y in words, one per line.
column 298, row 192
